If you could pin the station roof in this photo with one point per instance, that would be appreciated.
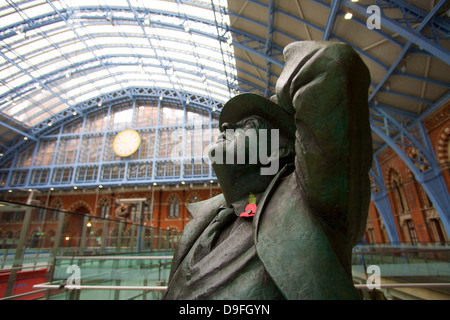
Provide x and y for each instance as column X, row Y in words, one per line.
column 56, row 55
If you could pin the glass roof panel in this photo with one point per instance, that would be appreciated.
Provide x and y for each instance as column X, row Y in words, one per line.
column 60, row 53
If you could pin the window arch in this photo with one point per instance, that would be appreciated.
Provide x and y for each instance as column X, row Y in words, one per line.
column 57, row 205
column 173, row 207
column 104, row 207
column 411, row 231
column 436, row 230
column 396, row 186
column 443, row 148
column 194, row 197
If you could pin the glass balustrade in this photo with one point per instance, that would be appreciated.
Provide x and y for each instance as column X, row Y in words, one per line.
column 53, row 254
column 33, row 238
column 424, row 267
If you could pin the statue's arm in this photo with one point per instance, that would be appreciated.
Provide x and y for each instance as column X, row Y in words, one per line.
column 327, row 85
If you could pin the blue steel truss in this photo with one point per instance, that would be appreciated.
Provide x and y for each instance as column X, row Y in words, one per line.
column 82, row 109
column 399, row 129
column 381, row 201
column 248, row 42
column 24, row 168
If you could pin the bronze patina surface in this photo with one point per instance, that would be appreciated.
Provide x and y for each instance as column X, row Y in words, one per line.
column 311, row 213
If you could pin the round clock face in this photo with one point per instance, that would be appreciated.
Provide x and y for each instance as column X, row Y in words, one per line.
column 126, row 142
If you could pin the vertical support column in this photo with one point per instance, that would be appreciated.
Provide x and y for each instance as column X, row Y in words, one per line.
column 79, row 149
column 119, row 236
column 132, row 242
column 155, row 145
column 56, row 246
column 140, row 229
column 18, row 256
column 83, row 235
column 381, row 201
column 104, row 236
column 151, row 205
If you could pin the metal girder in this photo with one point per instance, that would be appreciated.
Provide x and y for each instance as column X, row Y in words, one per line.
column 410, row 34
column 232, row 86
column 35, row 24
column 309, row 24
column 166, row 69
column 253, row 44
column 335, row 5
column 61, row 118
column 410, row 10
column 54, row 75
column 23, row 134
column 256, row 46
column 73, row 173
column 381, row 201
column 413, row 120
column 434, row 106
column 268, row 46
column 64, row 18
column 406, row 47
column 76, row 109
column 418, row 156
column 84, row 66
column 35, row 80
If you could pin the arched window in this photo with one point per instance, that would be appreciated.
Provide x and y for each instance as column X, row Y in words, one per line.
column 41, row 214
column 436, row 231
column 57, row 205
column 104, row 208
column 173, row 207
column 401, row 204
column 410, row 227
column 443, row 149
column 194, row 197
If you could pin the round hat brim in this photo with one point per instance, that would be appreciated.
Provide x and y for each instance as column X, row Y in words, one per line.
column 248, row 104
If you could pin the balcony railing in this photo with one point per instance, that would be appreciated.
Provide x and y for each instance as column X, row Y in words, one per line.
column 32, row 238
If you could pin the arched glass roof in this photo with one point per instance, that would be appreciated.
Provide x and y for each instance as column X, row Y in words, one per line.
column 57, row 54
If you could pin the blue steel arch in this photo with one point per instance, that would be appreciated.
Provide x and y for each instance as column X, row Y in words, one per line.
column 426, row 45
column 81, row 109
column 384, row 117
column 186, row 168
column 243, row 40
column 381, row 201
column 423, row 164
column 64, row 15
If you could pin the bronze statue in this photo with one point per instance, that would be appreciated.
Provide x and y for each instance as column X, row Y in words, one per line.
column 123, row 211
column 288, row 235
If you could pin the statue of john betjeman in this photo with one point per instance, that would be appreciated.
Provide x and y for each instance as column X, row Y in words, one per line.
column 285, row 225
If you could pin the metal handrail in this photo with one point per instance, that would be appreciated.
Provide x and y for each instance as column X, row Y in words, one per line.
column 87, row 287
column 21, row 295
column 402, row 285
column 164, row 288
column 115, row 257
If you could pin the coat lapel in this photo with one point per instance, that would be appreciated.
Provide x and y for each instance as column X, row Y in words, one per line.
column 203, row 213
column 295, row 249
column 266, row 197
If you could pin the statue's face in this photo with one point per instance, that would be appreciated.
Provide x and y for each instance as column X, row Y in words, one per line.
column 244, row 144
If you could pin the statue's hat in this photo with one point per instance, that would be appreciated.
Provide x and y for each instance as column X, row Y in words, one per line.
column 248, row 104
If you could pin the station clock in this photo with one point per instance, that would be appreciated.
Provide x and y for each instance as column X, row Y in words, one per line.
column 126, row 142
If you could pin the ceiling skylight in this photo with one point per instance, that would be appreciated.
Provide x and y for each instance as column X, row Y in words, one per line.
column 56, row 54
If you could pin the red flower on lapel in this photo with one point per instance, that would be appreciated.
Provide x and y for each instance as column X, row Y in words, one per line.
column 250, row 209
